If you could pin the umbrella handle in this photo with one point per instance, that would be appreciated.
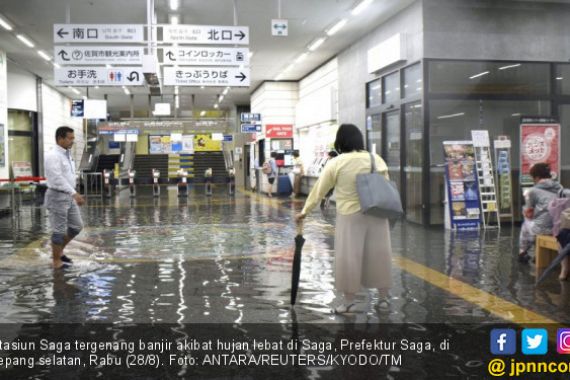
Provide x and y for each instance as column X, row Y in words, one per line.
column 300, row 227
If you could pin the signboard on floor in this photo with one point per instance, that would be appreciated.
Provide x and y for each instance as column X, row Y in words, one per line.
column 98, row 76
column 462, row 190
column 98, row 55
column 97, row 33
column 504, row 178
column 22, row 169
column 208, row 56
column 540, row 142
column 206, row 34
column 206, row 76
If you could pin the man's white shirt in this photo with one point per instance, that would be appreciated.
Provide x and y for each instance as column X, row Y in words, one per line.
column 60, row 170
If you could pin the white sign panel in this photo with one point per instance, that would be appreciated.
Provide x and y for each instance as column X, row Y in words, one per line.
column 98, row 76
column 389, row 52
column 206, row 56
column 188, row 143
column 279, row 27
column 206, row 76
column 97, row 33
column 88, row 55
column 205, row 34
column 480, row 138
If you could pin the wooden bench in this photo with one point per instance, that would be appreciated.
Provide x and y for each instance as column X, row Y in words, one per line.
column 545, row 251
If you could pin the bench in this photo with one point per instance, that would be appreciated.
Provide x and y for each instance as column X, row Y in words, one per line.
column 545, row 251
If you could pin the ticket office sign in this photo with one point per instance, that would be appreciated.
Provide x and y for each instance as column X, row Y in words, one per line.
column 462, row 185
column 206, row 76
column 539, row 143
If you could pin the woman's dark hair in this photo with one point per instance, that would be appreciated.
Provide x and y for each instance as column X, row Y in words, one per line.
column 273, row 154
column 348, row 139
column 62, row 132
column 295, row 153
column 333, row 154
column 540, row 170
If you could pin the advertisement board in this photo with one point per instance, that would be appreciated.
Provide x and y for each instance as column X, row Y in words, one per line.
column 540, row 142
column 205, row 143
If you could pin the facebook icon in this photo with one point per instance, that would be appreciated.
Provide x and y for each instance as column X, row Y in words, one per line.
column 503, row 341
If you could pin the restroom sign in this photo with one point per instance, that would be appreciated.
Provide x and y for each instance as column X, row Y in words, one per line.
column 98, row 76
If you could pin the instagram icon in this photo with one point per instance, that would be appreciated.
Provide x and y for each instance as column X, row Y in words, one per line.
column 563, row 341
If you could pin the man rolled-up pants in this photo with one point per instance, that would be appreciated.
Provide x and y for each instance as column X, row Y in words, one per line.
column 61, row 199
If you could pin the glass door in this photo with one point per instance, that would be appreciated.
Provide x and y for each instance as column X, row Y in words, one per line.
column 413, row 177
column 392, row 146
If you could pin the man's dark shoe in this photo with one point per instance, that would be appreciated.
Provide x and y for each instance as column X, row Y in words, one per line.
column 66, row 259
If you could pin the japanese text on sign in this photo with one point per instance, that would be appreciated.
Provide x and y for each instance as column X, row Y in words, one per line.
column 98, row 76
column 206, row 76
column 206, row 34
column 97, row 33
column 98, row 55
column 206, row 56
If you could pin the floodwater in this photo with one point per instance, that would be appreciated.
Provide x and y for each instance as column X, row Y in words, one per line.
column 228, row 259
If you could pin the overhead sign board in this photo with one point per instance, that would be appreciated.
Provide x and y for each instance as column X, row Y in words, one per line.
column 251, row 128
column 205, row 34
column 206, row 76
column 279, row 131
column 89, row 55
column 208, row 56
column 248, row 117
column 279, row 27
column 98, row 76
column 228, row 138
column 97, row 33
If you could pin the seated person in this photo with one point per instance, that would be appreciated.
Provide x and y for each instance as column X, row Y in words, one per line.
column 537, row 218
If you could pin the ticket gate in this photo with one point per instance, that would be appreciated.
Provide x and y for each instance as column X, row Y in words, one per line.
column 182, row 183
column 208, row 181
column 132, row 185
column 231, row 181
column 107, row 183
column 155, row 184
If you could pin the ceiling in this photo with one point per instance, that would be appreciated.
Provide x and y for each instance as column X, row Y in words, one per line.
column 308, row 20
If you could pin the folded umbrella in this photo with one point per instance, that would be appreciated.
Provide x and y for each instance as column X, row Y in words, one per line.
column 561, row 256
column 296, row 272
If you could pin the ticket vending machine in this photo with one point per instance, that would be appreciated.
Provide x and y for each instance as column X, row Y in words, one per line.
column 182, row 183
column 208, row 181
column 107, row 183
column 132, row 185
column 231, row 181
column 155, row 184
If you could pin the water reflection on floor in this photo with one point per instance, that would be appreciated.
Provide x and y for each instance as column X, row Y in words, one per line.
column 228, row 259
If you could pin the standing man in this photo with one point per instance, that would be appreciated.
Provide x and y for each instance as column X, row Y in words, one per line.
column 61, row 199
column 298, row 173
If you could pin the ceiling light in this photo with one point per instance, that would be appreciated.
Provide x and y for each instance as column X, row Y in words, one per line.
column 201, row 87
column 96, row 87
column 336, row 27
column 509, row 66
column 26, row 41
column 559, row 78
column 176, row 90
column 56, row 65
column 301, row 57
column 126, row 90
column 108, row 66
column 174, row 4
column 75, row 90
column 177, row 102
column 316, row 44
column 250, row 54
column 203, row 113
column 216, row 106
column 451, row 115
column 360, row 7
column 226, row 91
column 44, row 55
column 5, row 24
column 174, row 19
column 479, row 75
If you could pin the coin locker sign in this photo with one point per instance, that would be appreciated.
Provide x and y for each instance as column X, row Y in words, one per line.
column 206, row 76
column 88, row 33
column 206, row 56
column 86, row 55
column 205, row 34
column 98, row 76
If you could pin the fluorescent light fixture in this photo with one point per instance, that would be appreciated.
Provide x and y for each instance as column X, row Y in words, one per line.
column 4, row 24
column 290, row 67
column 75, row 90
column 203, row 113
column 220, row 98
column 96, row 87
column 108, row 66
column 479, row 75
column 126, row 91
column 336, row 27
column 174, row 19
column 559, row 78
column 360, row 7
column 301, row 57
column 44, row 55
column 176, row 90
column 201, row 87
column 56, row 65
column 515, row 114
column 25, row 40
column 451, row 115
column 174, row 4
column 316, row 44
column 177, row 102
column 226, row 91
column 216, row 106
column 509, row 66
column 250, row 54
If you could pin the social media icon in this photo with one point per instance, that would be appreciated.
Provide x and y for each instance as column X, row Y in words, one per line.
column 504, row 341
column 563, row 341
column 534, row 341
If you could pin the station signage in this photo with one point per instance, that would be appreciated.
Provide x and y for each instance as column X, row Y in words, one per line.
column 207, row 56
column 88, row 55
column 279, row 131
column 98, row 76
column 206, row 76
column 205, row 34
column 251, row 128
column 248, row 117
column 89, row 33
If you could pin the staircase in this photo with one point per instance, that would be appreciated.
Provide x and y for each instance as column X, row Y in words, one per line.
column 205, row 160
column 145, row 163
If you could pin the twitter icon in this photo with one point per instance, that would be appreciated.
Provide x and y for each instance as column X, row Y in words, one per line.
column 534, row 342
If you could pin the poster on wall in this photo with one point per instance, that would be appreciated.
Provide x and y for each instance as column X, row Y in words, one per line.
column 159, row 144
column 204, row 143
column 504, row 179
column 188, row 144
column 461, row 184
column 540, row 142
column 2, row 147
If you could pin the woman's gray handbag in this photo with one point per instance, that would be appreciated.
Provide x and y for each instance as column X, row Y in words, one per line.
column 378, row 196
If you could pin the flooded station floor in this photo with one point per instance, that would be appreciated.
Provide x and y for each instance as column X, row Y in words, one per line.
column 228, row 259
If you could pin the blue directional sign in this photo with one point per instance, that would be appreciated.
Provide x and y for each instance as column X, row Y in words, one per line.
column 250, row 128
column 247, row 117
column 228, row 138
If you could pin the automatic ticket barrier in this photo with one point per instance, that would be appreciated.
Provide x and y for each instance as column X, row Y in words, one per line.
column 182, row 183
column 132, row 185
column 155, row 184
column 208, row 180
column 107, row 183
column 231, row 181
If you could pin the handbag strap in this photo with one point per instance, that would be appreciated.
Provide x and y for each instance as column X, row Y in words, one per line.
column 373, row 161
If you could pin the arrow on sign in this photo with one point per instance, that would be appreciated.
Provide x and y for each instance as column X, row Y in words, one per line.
column 61, row 32
column 63, row 55
column 280, row 27
column 241, row 76
column 134, row 75
column 170, row 55
column 241, row 35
